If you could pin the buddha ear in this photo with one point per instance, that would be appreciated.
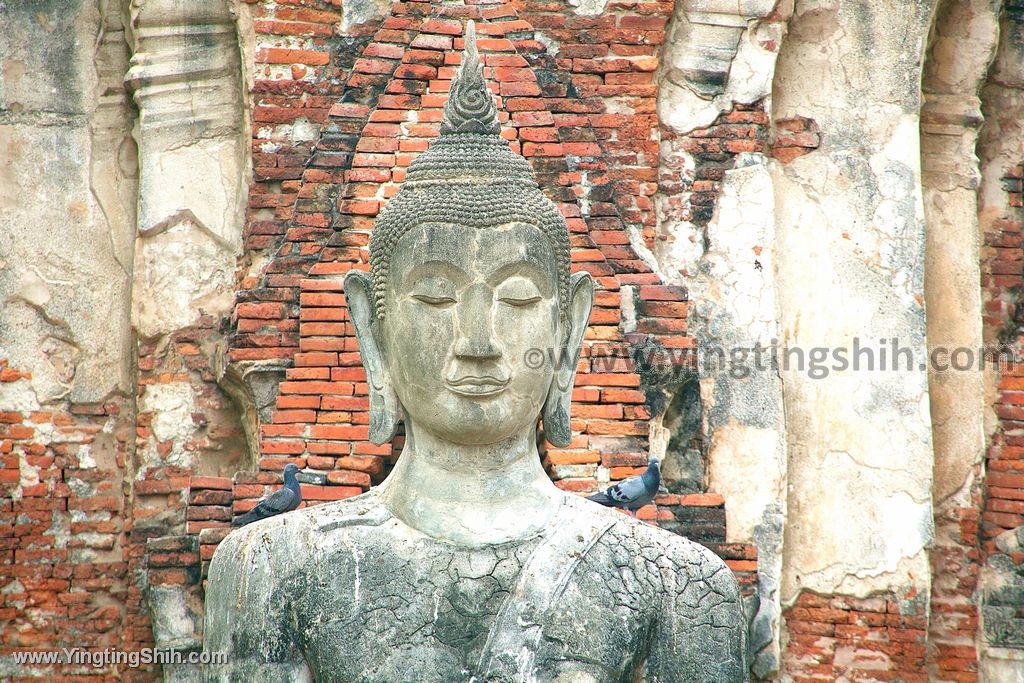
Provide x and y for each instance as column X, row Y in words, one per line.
column 557, row 407
column 385, row 410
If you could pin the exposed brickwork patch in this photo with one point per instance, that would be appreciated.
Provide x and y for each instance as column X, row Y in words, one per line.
column 64, row 566
column 794, row 138
column 1002, row 282
column 953, row 624
column 839, row 638
column 693, row 165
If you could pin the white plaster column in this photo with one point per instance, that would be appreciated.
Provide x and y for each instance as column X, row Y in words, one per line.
column 962, row 48
column 67, row 167
column 850, row 224
column 960, row 51
column 193, row 161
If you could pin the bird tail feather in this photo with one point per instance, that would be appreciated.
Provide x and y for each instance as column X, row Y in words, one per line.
column 242, row 520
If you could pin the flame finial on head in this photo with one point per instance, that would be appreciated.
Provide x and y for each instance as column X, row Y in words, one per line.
column 470, row 106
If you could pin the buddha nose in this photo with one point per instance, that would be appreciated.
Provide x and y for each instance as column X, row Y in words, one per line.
column 475, row 338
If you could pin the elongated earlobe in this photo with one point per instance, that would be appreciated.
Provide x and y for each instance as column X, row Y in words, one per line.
column 385, row 409
column 558, row 406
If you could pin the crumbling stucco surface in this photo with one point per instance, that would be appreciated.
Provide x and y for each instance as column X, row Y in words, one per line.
column 65, row 240
column 187, row 80
column 717, row 52
column 960, row 50
column 962, row 47
column 851, row 265
column 737, row 310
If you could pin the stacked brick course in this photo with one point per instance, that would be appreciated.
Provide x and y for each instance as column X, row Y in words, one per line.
column 953, row 623
column 1002, row 282
column 794, row 138
column 1002, row 509
column 871, row 639
column 693, row 165
column 63, row 566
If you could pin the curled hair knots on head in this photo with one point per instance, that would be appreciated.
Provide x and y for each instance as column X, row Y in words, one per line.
column 468, row 176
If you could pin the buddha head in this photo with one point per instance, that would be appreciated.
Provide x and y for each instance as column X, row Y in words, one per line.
column 469, row 322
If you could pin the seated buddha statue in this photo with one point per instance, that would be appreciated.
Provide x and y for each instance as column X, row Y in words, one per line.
column 467, row 563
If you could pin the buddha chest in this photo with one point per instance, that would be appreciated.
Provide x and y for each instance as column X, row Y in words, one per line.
column 379, row 607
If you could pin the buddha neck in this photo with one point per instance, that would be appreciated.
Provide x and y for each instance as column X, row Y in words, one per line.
column 470, row 495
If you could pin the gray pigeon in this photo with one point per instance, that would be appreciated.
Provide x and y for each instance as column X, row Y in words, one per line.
column 633, row 493
column 284, row 499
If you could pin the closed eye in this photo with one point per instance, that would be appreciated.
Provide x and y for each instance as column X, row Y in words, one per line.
column 518, row 302
column 434, row 300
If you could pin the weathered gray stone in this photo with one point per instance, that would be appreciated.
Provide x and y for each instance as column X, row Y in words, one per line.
column 176, row 610
column 66, row 167
column 186, row 77
column 714, row 57
column 352, row 578
column 252, row 385
column 1002, row 603
column 467, row 563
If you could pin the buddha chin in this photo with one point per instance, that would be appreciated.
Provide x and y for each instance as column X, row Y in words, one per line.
column 469, row 421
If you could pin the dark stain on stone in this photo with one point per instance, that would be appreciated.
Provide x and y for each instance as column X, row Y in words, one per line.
column 44, row 37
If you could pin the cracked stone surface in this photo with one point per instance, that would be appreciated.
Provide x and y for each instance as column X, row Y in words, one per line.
column 360, row 596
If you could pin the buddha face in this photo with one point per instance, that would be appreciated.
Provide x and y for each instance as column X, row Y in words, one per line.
column 472, row 346
column 465, row 307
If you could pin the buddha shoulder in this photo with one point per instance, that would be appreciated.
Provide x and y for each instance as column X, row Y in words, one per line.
column 293, row 538
column 645, row 545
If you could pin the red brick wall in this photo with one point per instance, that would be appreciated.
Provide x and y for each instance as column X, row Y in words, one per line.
column 953, row 623
column 64, row 525
column 871, row 639
column 1002, row 281
column 1002, row 508
column 379, row 107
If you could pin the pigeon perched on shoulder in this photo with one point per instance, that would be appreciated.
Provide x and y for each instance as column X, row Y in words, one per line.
column 633, row 493
column 283, row 500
